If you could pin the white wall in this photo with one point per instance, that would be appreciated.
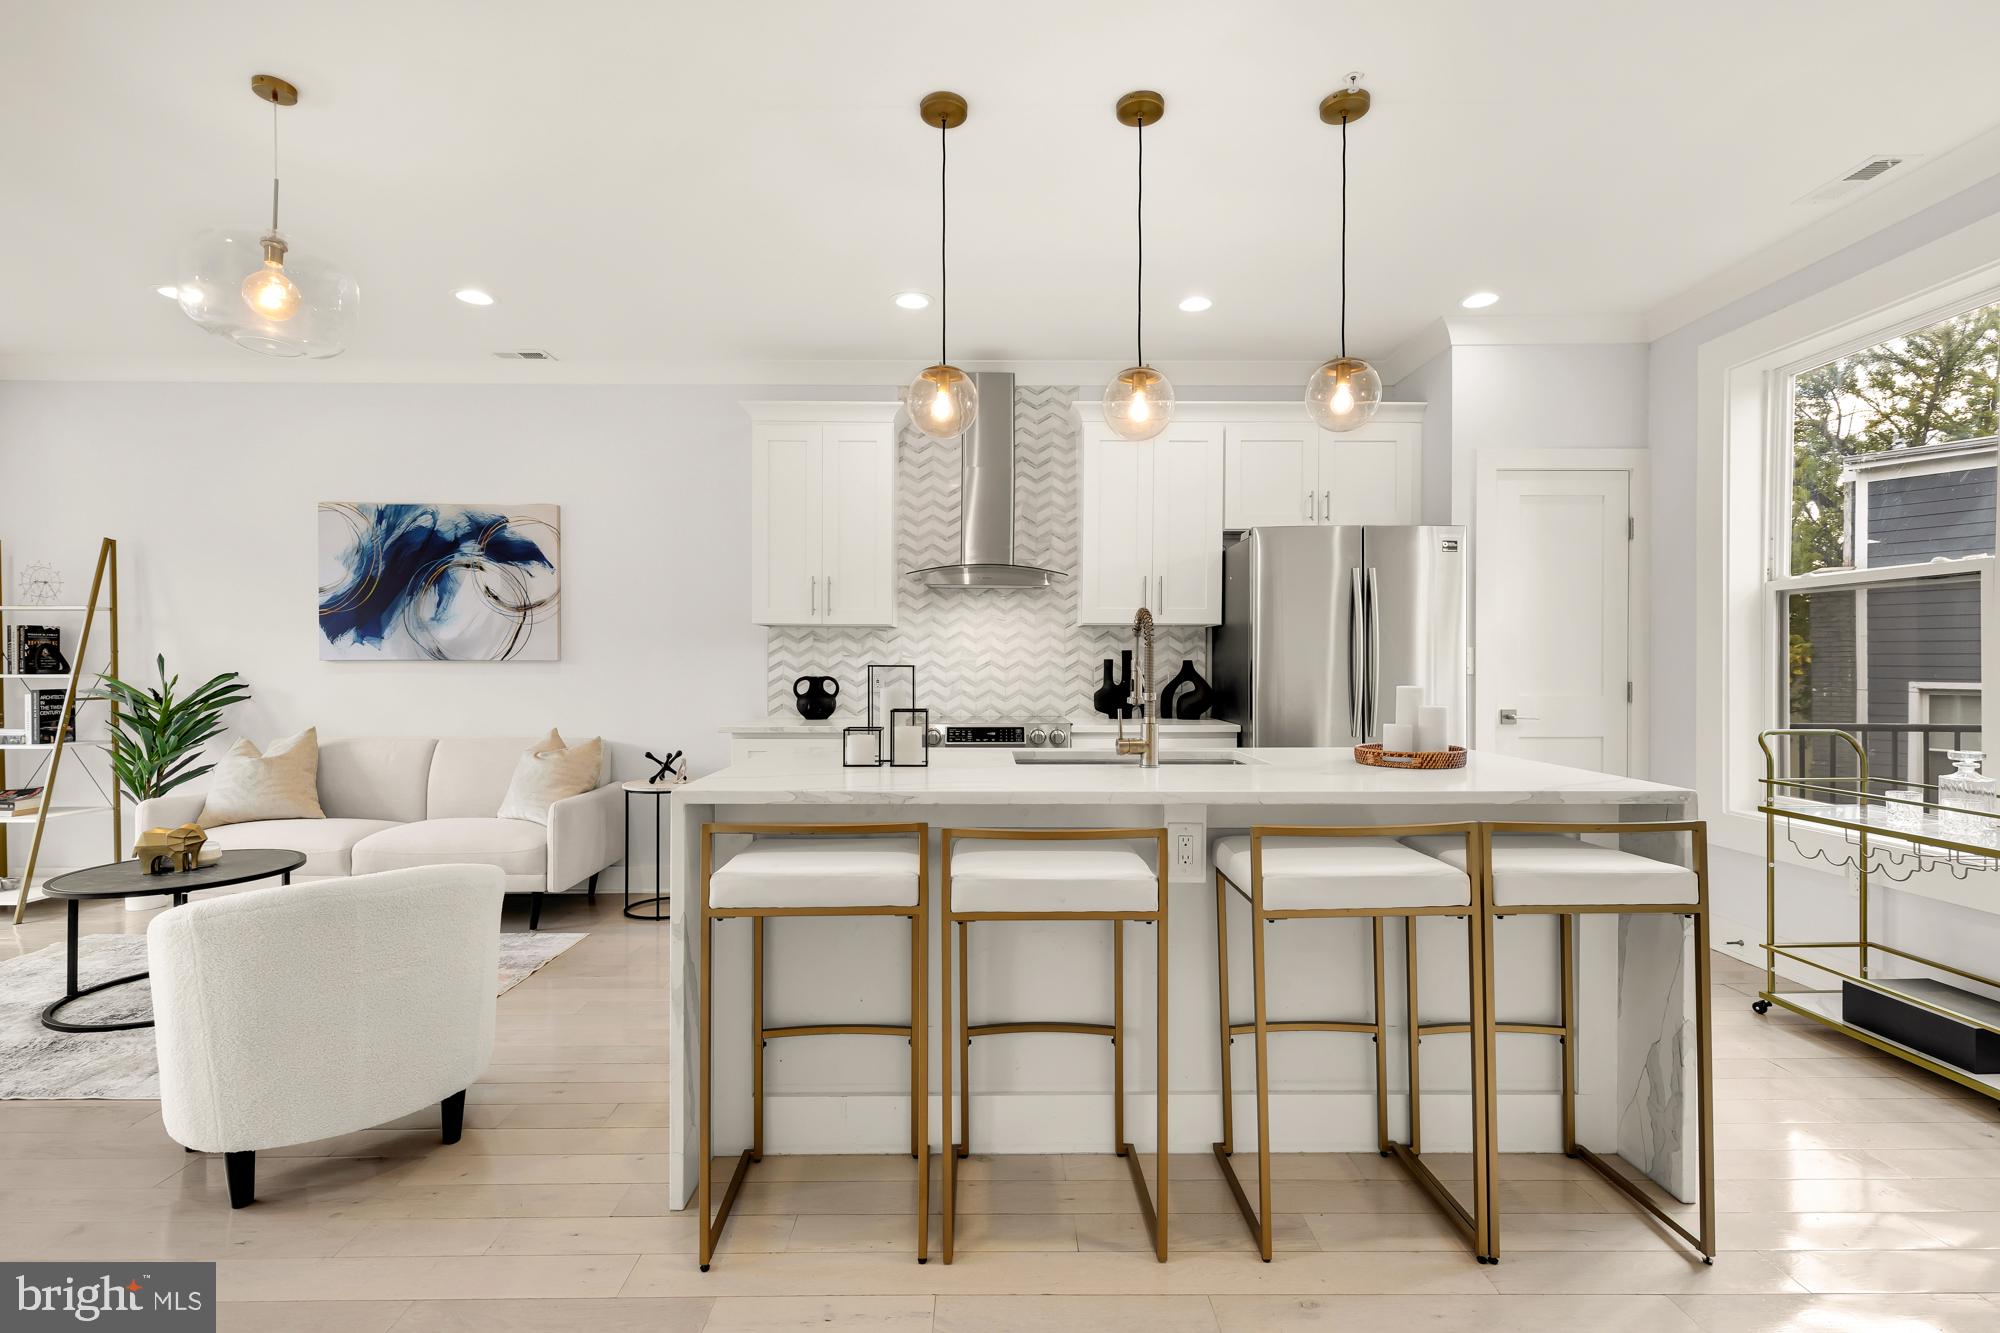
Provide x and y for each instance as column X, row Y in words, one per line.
column 1432, row 383
column 1738, row 890
column 211, row 490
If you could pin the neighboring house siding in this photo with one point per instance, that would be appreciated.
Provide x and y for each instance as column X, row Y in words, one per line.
column 1914, row 519
column 1929, row 632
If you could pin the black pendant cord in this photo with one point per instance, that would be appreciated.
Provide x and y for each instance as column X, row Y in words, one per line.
column 1139, row 279
column 1343, row 238
column 944, row 269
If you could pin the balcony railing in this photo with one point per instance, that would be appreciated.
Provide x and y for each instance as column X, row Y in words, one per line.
column 1889, row 746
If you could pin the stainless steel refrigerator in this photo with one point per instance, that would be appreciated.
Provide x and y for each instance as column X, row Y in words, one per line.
column 1321, row 624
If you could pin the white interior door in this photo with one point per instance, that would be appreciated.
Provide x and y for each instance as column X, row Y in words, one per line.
column 858, row 524
column 1552, row 558
column 785, row 524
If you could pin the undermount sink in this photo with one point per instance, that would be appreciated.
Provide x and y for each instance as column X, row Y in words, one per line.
column 1126, row 760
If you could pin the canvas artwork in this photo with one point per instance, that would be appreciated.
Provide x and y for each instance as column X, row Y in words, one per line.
column 439, row 582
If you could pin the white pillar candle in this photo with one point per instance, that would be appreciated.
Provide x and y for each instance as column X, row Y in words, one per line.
column 1430, row 728
column 1397, row 736
column 1409, row 698
column 909, row 746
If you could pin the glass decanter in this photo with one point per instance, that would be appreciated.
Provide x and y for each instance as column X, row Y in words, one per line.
column 1965, row 788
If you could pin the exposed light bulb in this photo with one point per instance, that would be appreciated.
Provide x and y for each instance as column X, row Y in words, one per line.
column 1141, row 409
column 1343, row 397
column 941, row 405
column 268, row 291
column 1138, row 403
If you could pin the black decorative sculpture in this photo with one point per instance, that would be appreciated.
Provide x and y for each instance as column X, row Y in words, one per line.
column 815, row 696
column 666, row 766
column 1187, row 695
column 1108, row 697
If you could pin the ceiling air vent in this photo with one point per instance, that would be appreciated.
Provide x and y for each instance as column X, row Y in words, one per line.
column 1862, row 173
column 529, row 354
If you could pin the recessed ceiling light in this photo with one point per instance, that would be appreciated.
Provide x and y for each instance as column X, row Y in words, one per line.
column 1480, row 300
column 913, row 300
column 171, row 293
column 1194, row 305
column 473, row 296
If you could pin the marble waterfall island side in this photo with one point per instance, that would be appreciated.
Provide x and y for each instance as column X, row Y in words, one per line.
column 1043, row 1094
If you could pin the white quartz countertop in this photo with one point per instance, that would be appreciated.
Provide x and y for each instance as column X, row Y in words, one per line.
column 1259, row 777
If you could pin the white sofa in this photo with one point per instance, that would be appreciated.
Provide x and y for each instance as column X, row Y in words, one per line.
column 289, row 1015
column 396, row 802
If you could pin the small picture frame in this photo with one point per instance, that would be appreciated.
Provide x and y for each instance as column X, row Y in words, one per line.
column 890, row 687
column 907, row 747
column 861, row 747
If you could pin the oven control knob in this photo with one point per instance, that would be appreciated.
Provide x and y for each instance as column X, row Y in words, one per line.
column 1058, row 737
column 933, row 737
column 1037, row 736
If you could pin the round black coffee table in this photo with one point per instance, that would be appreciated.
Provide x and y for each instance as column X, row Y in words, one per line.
column 122, row 879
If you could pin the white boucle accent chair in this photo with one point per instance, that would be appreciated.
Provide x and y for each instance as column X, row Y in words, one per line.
column 394, row 802
column 289, row 1015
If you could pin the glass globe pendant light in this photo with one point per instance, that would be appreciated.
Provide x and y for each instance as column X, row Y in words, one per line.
column 1344, row 393
column 942, row 400
column 1139, row 401
column 246, row 285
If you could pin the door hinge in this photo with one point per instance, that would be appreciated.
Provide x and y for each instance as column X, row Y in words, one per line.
column 1631, row 527
column 1628, row 691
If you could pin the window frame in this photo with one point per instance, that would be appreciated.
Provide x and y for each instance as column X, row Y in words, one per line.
column 1743, row 485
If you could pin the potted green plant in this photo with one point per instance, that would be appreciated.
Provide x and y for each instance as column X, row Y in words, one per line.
column 158, row 735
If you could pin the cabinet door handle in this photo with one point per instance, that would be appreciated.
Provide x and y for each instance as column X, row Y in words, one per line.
column 814, row 582
column 829, row 594
column 1326, row 507
column 1309, row 506
column 1160, row 597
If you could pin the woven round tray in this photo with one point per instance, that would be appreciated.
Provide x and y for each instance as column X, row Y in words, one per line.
column 1377, row 757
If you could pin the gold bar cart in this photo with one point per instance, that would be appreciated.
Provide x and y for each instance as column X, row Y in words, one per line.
column 1878, row 827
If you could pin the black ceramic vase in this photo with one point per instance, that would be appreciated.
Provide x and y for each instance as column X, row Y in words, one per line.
column 815, row 696
column 1187, row 695
column 1125, row 684
column 1108, row 697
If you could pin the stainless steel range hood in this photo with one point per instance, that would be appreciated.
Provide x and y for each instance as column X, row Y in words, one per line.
column 986, row 500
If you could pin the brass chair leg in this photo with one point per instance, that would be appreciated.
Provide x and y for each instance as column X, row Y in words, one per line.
column 756, row 1038
column 1228, row 1144
column 1566, row 948
column 1118, row 1038
column 949, row 1204
column 1381, row 1048
column 1160, row 1087
column 1264, row 1227
column 1704, row 1062
column 1486, row 1167
column 964, row 1148
column 705, row 1240
column 1416, row 1036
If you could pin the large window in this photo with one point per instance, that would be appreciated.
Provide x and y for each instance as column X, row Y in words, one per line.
column 1887, row 531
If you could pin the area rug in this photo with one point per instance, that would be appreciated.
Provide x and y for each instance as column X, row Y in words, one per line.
column 36, row 1063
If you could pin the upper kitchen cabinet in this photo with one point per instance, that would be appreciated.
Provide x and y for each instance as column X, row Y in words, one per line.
column 1152, row 524
column 1281, row 470
column 823, row 513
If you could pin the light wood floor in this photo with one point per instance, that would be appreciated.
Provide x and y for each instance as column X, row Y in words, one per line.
column 1858, row 1196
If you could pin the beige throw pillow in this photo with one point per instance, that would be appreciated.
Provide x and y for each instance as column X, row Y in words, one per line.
column 279, row 783
column 549, row 773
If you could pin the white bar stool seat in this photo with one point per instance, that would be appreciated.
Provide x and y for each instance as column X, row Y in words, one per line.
column 1548, row 869
column 1347, row 872
column 1052, row 877
column 817, row 872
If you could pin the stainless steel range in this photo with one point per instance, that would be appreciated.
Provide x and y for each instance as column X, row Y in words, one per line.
column 1002, row 735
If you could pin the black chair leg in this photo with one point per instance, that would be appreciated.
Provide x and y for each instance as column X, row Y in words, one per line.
column 593, row 888
column 535, row 911
column 241, row 1168
column 454, row 1116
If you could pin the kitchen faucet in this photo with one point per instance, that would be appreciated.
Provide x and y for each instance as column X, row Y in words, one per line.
column 1147, row 743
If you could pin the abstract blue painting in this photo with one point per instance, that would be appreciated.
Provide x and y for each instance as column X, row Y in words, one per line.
column 439, row 582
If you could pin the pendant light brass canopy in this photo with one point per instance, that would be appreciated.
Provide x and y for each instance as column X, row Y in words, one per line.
column 1139, row 401
column 942, row 400
column 246, row 285
column 1343, row 393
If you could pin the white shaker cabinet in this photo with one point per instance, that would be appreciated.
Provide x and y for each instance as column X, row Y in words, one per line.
column 823, row 513
column 1152, row 525
column 1282, row 470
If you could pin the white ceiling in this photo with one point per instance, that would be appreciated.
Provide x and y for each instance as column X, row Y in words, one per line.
column 735, row 190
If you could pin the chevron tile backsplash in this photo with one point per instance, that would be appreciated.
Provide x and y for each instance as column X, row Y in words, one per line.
column 983, row 652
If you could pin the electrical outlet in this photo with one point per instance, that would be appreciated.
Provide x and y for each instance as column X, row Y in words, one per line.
column 1184, row 849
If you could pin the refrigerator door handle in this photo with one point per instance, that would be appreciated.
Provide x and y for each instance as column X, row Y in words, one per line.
column 1374, row 649
column 1356, row 662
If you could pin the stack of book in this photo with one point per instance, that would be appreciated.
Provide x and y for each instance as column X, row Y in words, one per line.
column 15, row 801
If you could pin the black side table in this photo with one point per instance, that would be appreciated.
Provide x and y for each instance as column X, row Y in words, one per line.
column 123, row 879
column 661, row 901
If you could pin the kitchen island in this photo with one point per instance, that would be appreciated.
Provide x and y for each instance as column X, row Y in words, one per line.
column 1043, row 1094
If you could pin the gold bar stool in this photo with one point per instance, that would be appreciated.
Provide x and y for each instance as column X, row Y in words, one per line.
column 1317, row 872
column 805, row 870
column 1535, row 869
column 1045, row 876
